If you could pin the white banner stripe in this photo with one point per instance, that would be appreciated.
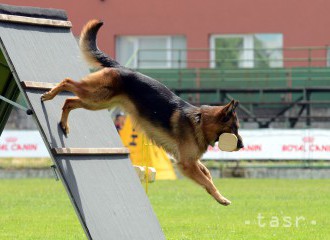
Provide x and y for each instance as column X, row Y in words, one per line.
column 265, row 144
column 22, row 144
column 274, row 144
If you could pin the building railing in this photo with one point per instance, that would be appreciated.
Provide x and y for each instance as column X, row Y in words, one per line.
column 231, row 58
column 268, row 93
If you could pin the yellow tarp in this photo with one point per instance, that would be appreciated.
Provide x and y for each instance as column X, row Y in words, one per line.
column 156, row 156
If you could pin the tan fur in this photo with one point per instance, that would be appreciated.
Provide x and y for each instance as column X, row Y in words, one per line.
column 83, row 43
column 187, row 150
column 188, row 139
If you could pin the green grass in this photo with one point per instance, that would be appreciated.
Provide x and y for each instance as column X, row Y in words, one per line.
column 40, row 209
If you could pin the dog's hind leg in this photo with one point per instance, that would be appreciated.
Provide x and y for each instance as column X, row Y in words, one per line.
column 66, row 85
column 198, row 174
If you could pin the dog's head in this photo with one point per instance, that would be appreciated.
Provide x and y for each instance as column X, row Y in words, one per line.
column 216, row 120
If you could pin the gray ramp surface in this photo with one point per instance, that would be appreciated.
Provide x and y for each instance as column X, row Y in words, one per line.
column 104, row 189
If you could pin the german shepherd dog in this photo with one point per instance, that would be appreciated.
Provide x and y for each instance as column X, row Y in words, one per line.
column 183, row 130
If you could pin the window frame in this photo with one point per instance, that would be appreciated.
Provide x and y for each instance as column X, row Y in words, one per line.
column 136, row 45
column 246, row 38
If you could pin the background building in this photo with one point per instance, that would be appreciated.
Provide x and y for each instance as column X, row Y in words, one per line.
column 259, row 51
column 192, row 24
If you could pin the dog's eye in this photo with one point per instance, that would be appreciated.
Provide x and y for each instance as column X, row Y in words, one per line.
column 226, row 118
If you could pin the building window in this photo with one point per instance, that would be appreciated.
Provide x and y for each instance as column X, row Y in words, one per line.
column 246, row 51
column 151, row 51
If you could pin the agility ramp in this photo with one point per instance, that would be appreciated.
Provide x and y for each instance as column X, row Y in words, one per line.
column 39, row 50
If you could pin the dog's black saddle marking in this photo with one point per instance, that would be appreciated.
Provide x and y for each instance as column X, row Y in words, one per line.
column 152, row 99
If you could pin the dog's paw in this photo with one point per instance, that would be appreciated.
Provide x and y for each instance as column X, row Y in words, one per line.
column 224, row 201
column 46, row 96
column 65, row 128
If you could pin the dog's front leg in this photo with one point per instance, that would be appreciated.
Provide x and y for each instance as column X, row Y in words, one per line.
column 205, row 170
column 70, row 104
column 66, row 85
column 199, row 173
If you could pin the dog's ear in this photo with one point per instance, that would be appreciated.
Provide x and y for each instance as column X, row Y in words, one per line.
column 228, row 110
column 234, row 104
column 230, row 107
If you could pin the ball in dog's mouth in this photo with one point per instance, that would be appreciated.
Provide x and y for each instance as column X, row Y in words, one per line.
column 227, row 142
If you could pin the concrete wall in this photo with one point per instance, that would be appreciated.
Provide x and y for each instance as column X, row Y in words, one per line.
column 27, row 173
column 281, row 172
column 19, row 120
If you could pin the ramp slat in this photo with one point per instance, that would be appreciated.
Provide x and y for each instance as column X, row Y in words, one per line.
column 35, row 21
column 38, row 85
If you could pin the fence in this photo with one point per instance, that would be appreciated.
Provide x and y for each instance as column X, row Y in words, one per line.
column 231, row 58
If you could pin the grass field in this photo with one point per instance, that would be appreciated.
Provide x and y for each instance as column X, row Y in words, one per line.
column 261, row 209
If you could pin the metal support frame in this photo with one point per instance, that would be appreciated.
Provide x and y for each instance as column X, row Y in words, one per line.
column 27, row 110
column 4, row 65
column 8, row 97
column 293, row 120
column 244, row 109
column 304, row 101
column 308, row 109
column 284, row 110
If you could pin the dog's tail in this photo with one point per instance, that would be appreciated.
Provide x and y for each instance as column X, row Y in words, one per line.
column 89, row 49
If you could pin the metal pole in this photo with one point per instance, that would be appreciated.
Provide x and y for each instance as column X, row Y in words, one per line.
column 28, row 111
column 308, row 109
column 179, row 59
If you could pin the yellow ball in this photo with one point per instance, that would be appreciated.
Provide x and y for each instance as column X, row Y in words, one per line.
column 227, row 142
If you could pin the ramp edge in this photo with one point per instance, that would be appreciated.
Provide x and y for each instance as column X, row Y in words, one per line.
column 35, row 21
